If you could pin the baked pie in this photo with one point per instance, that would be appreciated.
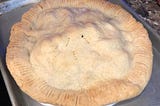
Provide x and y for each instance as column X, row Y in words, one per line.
column 79, row 53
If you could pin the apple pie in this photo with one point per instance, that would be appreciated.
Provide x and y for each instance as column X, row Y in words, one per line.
column 79, row 53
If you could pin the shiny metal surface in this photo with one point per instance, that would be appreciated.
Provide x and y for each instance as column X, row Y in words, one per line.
column 149, row 97
column 8, row 5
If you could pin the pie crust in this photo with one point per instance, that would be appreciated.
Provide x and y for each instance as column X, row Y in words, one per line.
column 79, row 53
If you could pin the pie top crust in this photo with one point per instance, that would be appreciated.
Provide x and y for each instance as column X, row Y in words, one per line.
column 79, row 53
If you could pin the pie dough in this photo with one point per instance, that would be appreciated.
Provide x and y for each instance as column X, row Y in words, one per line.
column 79, row 53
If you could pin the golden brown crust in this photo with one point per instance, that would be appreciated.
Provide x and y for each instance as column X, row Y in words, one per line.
column 104, row 93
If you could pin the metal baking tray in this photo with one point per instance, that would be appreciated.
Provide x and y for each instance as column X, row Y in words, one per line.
column 149, row 97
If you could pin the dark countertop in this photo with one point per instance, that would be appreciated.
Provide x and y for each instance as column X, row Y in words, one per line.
column 3, row 93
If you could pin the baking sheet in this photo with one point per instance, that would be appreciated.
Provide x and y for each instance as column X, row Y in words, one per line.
column 9, row 5
column 149, row 97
